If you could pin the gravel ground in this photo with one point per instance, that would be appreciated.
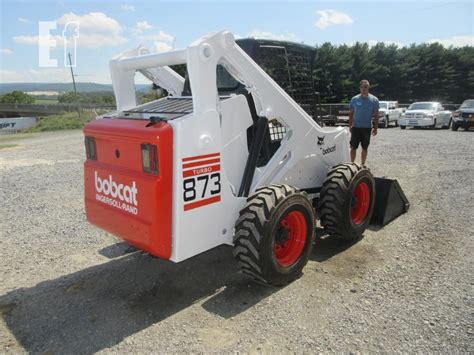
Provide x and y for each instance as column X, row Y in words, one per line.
column 69, row 287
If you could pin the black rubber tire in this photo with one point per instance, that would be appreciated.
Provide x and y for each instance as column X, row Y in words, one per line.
column 403, row 127
column 396, row 123
column 433, row 126
column 257, row 227
column 334, row 207
column 387, row 122
column 454, row 127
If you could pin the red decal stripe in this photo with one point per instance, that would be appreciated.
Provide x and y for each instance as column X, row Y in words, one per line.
column 201, row 203
column 201, row 157
column 200, row 171
column 201, row 163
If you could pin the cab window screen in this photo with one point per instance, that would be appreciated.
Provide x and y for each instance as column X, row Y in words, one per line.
column 274, row 60
column 225, row 81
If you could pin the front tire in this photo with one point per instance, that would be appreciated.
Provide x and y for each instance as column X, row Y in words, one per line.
column 403, row 127
column 347, row 201
column 454, row 127
column 274, row 234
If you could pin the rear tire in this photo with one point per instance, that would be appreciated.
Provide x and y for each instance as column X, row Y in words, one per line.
column 403, row 127
column 347, row 201
column 274, row 234
column 454, row 127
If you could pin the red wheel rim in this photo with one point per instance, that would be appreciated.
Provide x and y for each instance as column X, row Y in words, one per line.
column 287, row 252
column 360, row 203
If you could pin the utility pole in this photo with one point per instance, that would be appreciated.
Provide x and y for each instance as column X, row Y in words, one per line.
column 74, row 84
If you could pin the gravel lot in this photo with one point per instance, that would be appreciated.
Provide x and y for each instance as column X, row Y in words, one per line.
column 69, row 287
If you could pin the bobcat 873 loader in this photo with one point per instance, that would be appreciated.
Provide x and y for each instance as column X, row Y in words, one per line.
column 228, row 157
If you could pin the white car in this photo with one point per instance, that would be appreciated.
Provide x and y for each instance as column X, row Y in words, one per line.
column 388, row 113
column 426, row 114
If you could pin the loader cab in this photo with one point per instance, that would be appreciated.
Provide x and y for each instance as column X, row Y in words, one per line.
column 291, row 66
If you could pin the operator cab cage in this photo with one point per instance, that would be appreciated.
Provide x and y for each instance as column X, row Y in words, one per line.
column 289, row 64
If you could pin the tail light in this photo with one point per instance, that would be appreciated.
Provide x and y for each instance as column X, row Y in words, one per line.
column 149, row 158
column 91, row 151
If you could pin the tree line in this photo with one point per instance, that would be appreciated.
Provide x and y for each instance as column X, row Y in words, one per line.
column 421, row 72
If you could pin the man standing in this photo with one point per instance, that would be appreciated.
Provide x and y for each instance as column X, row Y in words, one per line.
column 363, row 107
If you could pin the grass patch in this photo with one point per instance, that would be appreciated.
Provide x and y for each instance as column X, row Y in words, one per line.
column 4, row 146
column 67, row 120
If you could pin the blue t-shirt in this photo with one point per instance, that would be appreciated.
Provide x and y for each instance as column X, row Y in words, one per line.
column 364, row 108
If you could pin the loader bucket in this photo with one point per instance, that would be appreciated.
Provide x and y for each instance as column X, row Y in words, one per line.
column 390, row 202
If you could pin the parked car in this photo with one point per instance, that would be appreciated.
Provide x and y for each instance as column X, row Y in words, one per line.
column 426, row 114
column 389, row 112
column 323, row 119
column 343, row 116
column 329, row 120
column 464, row 116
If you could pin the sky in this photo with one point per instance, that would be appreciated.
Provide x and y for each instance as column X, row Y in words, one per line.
column 108, row 27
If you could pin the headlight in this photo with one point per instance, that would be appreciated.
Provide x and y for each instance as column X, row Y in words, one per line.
column 429, row 115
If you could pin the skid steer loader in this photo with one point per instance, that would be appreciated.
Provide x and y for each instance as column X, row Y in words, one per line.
column 233, row 155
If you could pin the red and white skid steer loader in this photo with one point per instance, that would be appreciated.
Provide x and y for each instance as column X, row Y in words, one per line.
column 228, row 157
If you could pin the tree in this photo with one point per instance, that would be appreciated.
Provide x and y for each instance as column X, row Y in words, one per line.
column 71, row 98
column 17, row 97
column 421, row 72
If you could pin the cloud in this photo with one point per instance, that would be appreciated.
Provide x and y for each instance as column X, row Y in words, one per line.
column 373, row 42
column 6, row 51
column 159, row 42
column 269, row 35
column 42, row 75
column 127, row 8
column 455, row 41
column 160, row 37
column 23, row 20
column 95, row 30
column 142, row 26
column 34, row 40
column 332, row 17
column 161, row 47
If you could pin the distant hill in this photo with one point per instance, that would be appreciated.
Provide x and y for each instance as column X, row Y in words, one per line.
column 62, row 87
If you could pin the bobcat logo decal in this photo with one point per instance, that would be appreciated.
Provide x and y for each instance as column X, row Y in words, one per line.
column 321, row 140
